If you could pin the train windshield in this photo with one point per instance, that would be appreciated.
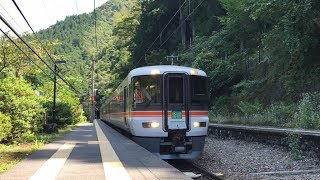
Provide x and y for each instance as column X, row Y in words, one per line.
column 199, row 92
column 146, row 90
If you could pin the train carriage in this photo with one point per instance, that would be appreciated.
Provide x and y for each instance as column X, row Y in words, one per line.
column 164, row 108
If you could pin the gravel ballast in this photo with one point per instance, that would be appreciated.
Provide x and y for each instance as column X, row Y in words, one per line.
column 238, row 159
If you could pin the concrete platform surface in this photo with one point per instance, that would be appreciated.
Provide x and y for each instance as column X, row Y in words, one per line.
column 93, row 151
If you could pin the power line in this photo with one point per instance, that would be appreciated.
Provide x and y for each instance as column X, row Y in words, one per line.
column 11, row 18
column 14, row 2
column 30, row 59
column 15, row 32
column 5, row 17
column 151, row 45
column 181, row 24
column 41, row 44
column 40, row 41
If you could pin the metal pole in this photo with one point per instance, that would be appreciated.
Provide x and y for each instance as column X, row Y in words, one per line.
column 92, row 96
column 93, row 107
column 54, row 94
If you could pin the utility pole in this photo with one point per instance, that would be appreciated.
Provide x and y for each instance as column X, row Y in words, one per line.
column 93, row 106
column 182, row 23
column 172, row 57
column 55, row 89
column 92, row 92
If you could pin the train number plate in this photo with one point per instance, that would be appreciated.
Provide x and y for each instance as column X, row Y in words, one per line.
column 176, row 115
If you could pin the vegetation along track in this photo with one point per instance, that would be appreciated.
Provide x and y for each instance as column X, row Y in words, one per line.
column 308, row 141
column 199, row 173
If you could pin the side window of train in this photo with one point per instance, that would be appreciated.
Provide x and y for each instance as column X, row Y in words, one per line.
column 146, row 90
column 199, row 89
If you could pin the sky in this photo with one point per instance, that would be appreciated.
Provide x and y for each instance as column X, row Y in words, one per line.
column 42, row 13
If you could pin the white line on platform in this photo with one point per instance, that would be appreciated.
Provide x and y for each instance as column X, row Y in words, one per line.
column 51, row 168
column 113, row 168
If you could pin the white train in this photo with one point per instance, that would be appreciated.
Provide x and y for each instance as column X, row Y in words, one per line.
column 164, row 108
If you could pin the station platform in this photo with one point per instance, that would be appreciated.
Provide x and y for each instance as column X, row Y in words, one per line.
column 93, row 151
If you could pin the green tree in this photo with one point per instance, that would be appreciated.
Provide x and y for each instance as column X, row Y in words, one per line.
column 20, row 102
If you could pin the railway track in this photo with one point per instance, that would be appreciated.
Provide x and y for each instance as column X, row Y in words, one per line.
column 309, row 141
column 193, row 171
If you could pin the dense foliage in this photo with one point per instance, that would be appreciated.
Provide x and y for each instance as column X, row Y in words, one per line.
column 20, row 103
column 261, row 56
column 26, row 90
column 5, row 126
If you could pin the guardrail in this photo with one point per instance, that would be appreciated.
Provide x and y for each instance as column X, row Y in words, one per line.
column 308, row 140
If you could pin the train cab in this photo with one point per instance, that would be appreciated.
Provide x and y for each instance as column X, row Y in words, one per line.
column 165, row 108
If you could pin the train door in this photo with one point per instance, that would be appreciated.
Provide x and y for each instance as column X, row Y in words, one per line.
column 125, row 107
column 175, row 105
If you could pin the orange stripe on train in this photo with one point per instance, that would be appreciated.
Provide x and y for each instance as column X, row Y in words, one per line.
column 158, row 113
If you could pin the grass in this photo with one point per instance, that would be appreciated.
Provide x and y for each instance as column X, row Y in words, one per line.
column 12, row 154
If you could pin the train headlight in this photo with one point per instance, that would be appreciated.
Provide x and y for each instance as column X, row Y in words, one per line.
column 155, row 71
column 194, row 72
column 199, row 124
column 150, row 124
column 196, row 124
column 155, row 124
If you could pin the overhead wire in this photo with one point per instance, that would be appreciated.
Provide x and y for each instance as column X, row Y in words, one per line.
column 50, row 57
column 24, row 42
column 151, row 45
column 11, row 18
column 25, row 19
column 181, row 24
column 30, row 59
column 174, row 30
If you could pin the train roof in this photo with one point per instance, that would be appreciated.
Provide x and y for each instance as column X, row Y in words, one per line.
column 147, row 70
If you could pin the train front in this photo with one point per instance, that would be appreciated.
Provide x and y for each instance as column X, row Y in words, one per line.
column 169, row 113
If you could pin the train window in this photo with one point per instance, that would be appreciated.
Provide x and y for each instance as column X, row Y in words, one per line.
column 175, row 90
column 146, row 90
column 199, row 92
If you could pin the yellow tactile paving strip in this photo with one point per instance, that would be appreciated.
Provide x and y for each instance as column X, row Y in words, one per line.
column 113, row 168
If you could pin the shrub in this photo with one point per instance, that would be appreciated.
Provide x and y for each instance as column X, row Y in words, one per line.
column 307, row 115
column 71, row 99
column 63, row 113
column 221, row 105
column 79, row 114
column 68, row 110
column 280, row 114
column 248, row 108
column 5, row 126
column 294, row 145
column 19, row 101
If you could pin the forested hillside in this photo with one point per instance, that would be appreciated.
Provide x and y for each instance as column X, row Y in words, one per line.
column 262, row 58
